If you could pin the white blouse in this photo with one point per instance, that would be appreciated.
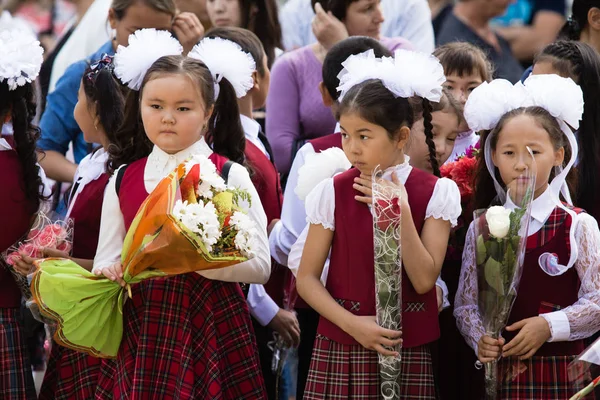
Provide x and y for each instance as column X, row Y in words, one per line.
column 158, row 166
column 89, row 169
column 578, row 321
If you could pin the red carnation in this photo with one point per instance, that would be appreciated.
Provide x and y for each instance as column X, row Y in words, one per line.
column 462, row 172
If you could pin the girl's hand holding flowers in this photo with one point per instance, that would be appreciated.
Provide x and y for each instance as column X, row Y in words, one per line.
column 113, row 272
column 489, row 349
column 534, row 332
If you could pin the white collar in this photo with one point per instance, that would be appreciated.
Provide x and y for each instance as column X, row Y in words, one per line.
column 251, row 127
column 4, row 145
column 7, row 129
column 402, row 170
column 338, row 128
column 92, row 166
column 541, row 208
column 159, row 160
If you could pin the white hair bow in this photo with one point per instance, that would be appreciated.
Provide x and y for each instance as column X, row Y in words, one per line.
column 20, row 58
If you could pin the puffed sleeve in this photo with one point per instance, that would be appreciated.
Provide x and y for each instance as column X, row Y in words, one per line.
column 320, row 205
column 445, row 202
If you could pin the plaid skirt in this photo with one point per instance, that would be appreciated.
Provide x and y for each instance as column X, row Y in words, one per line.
column 16, row 380
column 69, row 375
column 339, row 371
column 184, row 337
column 541, row 378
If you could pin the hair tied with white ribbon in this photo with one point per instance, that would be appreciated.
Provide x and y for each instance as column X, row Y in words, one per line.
column 226, row 59
column 145, row 47
column 21, row 57
column 406, row 74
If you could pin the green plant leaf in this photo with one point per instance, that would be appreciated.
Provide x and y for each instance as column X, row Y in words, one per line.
column 493, row 275
column 481, row 250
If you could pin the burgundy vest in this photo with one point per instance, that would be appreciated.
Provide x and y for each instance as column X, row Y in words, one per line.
column 326, row 142
column 541, row 293
column 351, row 279
column 16, row 214
column 86, row 213
column 266, row 181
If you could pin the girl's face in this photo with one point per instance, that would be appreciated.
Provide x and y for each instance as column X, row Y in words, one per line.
column 86, row 118
column 364, row 18
column 173, row 112
column 461, row 86
column 512, row 158
column 262, row 84
column 445, row 130
column 138, row 16
column 224, row 12
column 368, row 145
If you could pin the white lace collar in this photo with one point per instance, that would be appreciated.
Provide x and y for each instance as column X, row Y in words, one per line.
column 402, row 170
column 541, row 207
column 162, row 163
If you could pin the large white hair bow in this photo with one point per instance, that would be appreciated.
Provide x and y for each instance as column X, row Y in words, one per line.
column 226, row 59
column 20, row 58
column 406, row 74
column 145, row 47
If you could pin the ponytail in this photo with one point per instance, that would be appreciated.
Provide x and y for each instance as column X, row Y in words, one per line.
column 427, row 110
column 571, row 30
column 225, row 133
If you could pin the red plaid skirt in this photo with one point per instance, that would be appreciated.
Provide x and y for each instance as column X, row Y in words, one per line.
column 184, row 337
column 542, row 378
column 69, row 375
column 339, row 371
column 16, row 380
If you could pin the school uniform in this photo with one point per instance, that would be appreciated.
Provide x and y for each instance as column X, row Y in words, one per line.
column 569, row 302
column 187, row 336
column 341, row 367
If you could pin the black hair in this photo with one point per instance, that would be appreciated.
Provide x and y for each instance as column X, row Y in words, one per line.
column 264, row 23
column 246, row 39
column 578, row 20
column 19, row 104
column 224, row 131
column 580, row 62
column 332, row 65
column 337, row 7
column 427, row 110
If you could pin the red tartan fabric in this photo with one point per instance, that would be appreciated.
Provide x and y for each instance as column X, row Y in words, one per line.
column 545, row 378
column 69, row 375
column 185, row 337
column 16, row 381
column 350, row 372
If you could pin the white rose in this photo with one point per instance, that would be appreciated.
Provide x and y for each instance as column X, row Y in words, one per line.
column 498, row 220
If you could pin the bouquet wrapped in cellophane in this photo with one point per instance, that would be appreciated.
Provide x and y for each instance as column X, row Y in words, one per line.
column 192, row 221
column 501, row 239
column 388, row 275
column 584, row 372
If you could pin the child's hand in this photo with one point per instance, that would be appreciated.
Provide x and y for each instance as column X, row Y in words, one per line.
column 24, row 264
column 363, row 184
column 286, row 324
column 534, row 332
column 489, row 349
column 327, row 28
column 53, row 253
column 113, row 272
column 364, row 330
column 439, row 293
column 188, row 29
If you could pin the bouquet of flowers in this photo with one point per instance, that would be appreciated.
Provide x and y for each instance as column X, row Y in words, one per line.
column 582, row 369
column 192, row 221
column 388, row 274
column 501, row 237
column 47, row 232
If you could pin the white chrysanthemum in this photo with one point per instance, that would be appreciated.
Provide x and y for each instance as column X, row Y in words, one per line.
column 210, row 180
column 561, row 97
column 21, row 58
column 417, row 73
column 226, row 59
column 245, row 239
column 318, row 167
column 145, row 47
column 201, row 219
column 358, row 68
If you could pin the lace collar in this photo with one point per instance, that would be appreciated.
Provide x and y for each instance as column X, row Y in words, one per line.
column 163, row 163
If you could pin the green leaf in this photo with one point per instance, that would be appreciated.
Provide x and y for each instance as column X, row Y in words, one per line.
column 493, row 275
column 481, row 250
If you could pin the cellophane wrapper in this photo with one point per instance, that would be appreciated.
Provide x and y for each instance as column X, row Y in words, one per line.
column 388, row 275
column 88, row 308
column 500, row 265
column 584, row 373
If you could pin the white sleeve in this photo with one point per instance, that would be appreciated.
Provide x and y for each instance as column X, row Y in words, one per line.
column 257, row 269
column 296, row 256
column 320, row 205
column 414, row 25
column 582, row 319
column 445, row 294
column 466, row 310
column 112, row 228
column 293, row 215
column 293, row 24
column 445, row 202
column 261, row 305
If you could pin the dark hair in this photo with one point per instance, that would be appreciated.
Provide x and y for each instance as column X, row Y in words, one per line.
column 578, row 20
column 580, row 62
column 225, row 134
column 332, row 65
column 485, row 191
column 264, row 23
column 105, row 92
column 463, row 58
column 20, row 105
column 246, row 39
column 337, row 7
column 166, row 6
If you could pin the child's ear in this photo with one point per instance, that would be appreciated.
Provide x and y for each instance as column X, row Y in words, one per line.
column 112, row 18
column 327, row 100
column 403, row 136
column 256, row 81
column 208, row 114
column 559, row 157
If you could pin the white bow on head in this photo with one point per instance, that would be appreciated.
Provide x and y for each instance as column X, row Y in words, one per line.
column 21, row 57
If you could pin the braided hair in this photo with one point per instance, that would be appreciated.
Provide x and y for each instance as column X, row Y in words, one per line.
column 580, row 62
column 578, row 20
column 427, row 110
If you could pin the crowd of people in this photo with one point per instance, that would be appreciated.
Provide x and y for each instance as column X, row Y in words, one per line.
column 297, row 104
